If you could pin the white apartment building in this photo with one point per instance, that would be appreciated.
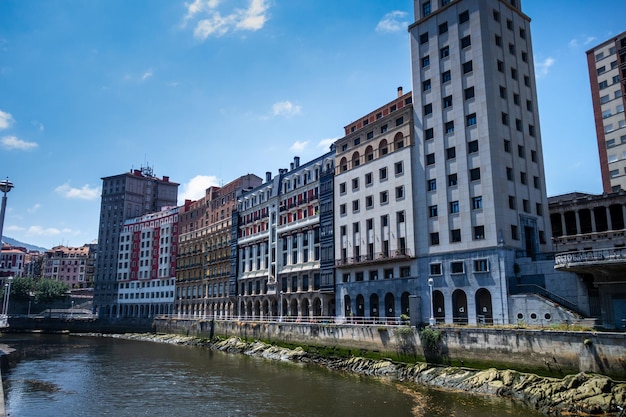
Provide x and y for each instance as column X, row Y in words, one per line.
column 146, row 266
column 607, row 73
column 478, row 176
column 374, row 214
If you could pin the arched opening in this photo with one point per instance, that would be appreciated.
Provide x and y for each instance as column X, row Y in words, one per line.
column 343, row 165
column 293, row 308
column 484, row 310
column 374, row 308
column 346, row 306
column 459, row 303
column 274, row 308
column 398, row 141
column 356, row 159
column 360, row 305
column 304, row 308
column 317, row 307
column 249, row 309
column 390, row 309
column 404, row 303
column 266, row 308
column 439, row 307
column 369, row 153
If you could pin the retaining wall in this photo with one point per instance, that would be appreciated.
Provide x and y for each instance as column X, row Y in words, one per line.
column 544, row 351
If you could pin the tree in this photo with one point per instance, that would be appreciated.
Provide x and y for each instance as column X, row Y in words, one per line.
column 47, row 290
column 22, row 287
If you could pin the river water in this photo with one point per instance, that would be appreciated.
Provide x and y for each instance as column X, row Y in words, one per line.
column 62, row 375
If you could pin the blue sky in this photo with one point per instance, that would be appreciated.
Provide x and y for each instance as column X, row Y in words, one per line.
column 206, row 91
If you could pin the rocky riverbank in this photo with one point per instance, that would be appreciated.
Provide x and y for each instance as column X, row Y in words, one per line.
column 581, row 394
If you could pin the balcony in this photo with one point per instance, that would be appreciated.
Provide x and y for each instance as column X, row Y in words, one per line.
column 591, row 258
column 393, row 256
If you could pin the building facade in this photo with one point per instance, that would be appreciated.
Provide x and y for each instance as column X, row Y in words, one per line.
column 69, row 265
column 478, row 166
column 124, row 196
column 374, row 213
column 204, row 276
column 146, row 265
column 12, row 261
column 607, row 77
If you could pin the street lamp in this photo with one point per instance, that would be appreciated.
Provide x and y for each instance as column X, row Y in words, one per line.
column 281, row 307
column 72, row 311
column 7, row 293
column 431, row 321
column 5, row 187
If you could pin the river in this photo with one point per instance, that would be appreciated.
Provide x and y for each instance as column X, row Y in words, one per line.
column 63, row 375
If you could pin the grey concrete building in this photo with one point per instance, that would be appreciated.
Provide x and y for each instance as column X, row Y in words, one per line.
column 124, row 196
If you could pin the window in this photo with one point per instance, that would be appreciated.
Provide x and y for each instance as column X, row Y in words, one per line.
column 518, row 125
column 507, row 146
column 370, row 135
column 464, row 17
column 454, row 207
column 382, row 174
column 432, row 184
column 472, row 147
column 399, row 192
column 432, row 211
column 498, row 40
column 452, row 180
column 447, row 102
column 428, row 109
column 604, row 99
column 512, row 204
column 514, row 232
column 467, row 67
column 522, row 33
column 536, row 181
column 342, row 188
column 533, row 155
column 443, row 28
column 384, row 220
column 516, row 99
column 509, row 173
column 496, row 15
column 342, row 209
column 526, row 205
column 539, row 209
column 425, row 61
column 399, row 121
column 444, row 52
column 615, row 79
column 500, row 66
column 614, row 173
column 466, row 41
column 514, row 73
column 526, row 80
column 451, row 153
column 470, row 119
column 446, row 77
column 505, row 118
column 477, row 203
column 435, row 269
column 502, row 92
column 430, row 159
column 369, row 201
column 509, row 24
column 450, row 126
column 384, row 197
column 600, row 70
column 398, row 168
column 424, row 38
column 426, row 8
column 434, row 238
column 603, row 85
column 479, row 232
column 468, row 93
column 400, row 217
column 368, row 178
column 524, row 56
column 426, row 86
column 474, row 174
column 355, row 206
column 481, row 265
column 355, row 184
column 457, row 267
column 512, row 49
column 520, row 151
column 383, row 128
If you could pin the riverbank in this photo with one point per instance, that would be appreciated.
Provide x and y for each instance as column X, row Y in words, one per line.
column 580, row 394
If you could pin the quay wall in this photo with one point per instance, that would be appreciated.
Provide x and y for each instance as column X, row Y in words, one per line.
column 547, row 352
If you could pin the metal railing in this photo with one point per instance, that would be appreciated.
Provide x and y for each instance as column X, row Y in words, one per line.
column 390, row 321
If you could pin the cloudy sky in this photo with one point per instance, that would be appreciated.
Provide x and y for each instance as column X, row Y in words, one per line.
column 204, row 91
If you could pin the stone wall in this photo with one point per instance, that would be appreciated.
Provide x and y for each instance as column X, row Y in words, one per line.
column 544, row 351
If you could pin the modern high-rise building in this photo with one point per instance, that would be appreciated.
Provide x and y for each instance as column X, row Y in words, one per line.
column 607, row 76
column 478, row 172
column 124, row 196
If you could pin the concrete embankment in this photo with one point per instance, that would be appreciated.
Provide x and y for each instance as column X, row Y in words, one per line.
column 579, row 394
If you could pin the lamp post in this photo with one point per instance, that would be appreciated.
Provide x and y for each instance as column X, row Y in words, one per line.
column 431, row 321
column 238, row 307
column 7, row 294
column 281, row 307
column 5, row 187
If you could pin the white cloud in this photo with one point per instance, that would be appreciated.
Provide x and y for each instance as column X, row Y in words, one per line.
column 575, row 43
column 34, row 208
column 146, row 75
column 196, row 187
column 39, row 125
column 392, row 22
column 325, row 143
column 84, row 193
column 299, row 146
column 12, row 142
column 5, row 119
column 47, row 231
column 542, row 68
column 214, row 22
column 285, row 108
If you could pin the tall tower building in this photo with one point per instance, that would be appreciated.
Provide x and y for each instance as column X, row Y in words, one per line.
column 124, row 196
column 478, row 170
column 607, row 75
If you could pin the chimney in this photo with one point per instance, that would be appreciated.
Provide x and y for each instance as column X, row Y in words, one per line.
column 400, row 91
column 291, row 166
column 296, row 161
column 268, row 176
column 166, row 179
